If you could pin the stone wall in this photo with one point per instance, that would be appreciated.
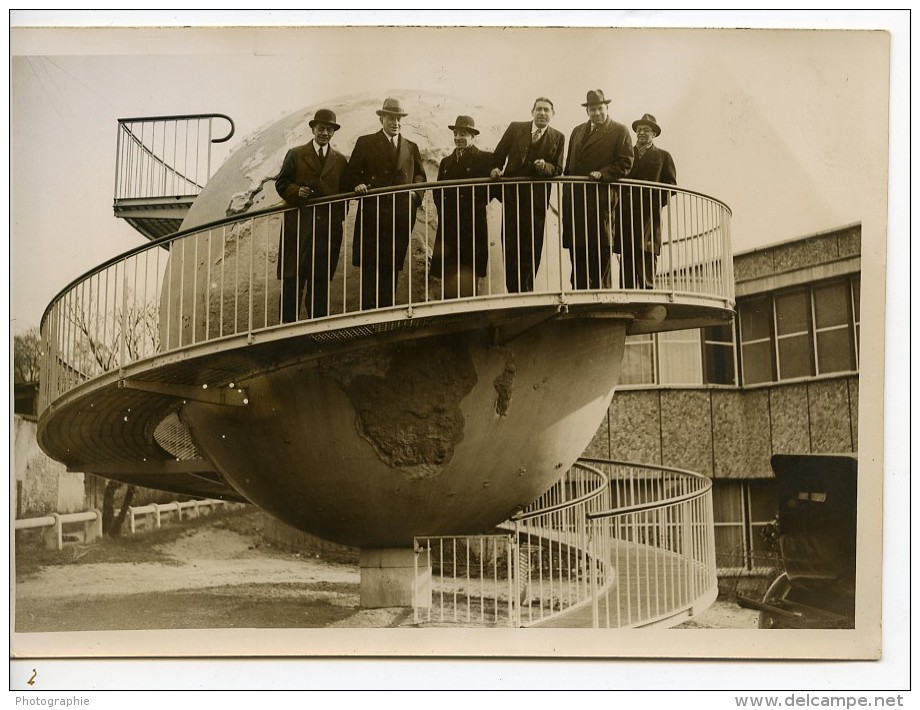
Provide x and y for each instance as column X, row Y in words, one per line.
column 730, row 433
column 43, row 485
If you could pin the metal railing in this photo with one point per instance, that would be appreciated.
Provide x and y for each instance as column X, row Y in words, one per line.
column 557, row 570
column 533, row 572
column 465, row 580
column 658, row 539
column 165, row 156
column 612, row 545
column 467, row 245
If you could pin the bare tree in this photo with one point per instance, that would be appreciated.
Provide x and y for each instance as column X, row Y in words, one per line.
column 27, row 354
column 108, row 339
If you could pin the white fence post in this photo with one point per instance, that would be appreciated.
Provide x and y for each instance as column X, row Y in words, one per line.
column 92, row 529
column 53, row 536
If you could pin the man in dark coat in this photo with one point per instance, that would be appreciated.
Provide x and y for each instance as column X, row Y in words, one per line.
column 532, row 150
column 312, row 235
column 600, row 150
column 461, row 251
column 384, row 222
column 640, row 215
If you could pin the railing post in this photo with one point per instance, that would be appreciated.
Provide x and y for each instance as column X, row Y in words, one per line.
column 92, row 529
column 595, row 616
column 53, row 536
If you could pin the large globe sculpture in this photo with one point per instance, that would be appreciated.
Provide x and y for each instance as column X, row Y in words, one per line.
column 441, row 433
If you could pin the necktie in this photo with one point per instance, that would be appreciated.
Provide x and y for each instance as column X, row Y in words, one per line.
column 395, row 141
column 459, row 154
column 535, row 136
column 593, row 128
column 322, row 156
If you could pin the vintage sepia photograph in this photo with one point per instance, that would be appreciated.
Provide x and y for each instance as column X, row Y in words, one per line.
column 344, row 337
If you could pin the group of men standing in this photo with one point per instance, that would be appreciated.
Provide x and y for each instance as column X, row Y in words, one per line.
column 597, row 218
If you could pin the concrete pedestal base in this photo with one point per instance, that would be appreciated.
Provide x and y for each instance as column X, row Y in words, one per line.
column 388, row 578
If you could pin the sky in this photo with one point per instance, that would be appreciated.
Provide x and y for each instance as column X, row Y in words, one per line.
column 786, row 127
column 789, row 127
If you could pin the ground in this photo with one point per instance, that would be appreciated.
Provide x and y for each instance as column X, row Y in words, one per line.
column 213, row 573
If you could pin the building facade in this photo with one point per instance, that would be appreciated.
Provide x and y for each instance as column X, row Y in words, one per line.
column 782, row 377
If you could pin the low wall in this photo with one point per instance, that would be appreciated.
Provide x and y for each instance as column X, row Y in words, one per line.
column 43, row 485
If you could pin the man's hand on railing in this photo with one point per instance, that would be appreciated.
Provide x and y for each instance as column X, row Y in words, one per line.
column 304, row 193
column 595, row 175
column 496, row 173
column 361, row 189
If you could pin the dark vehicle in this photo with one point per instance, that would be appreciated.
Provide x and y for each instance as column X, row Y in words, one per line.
column 816, row 531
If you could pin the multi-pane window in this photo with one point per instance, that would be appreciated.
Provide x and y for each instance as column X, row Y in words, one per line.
column 680, row 357
column 638, row 360
column 800, row 333
column 719, row 354
column 854, row 286
column 833, row 341
column 741, row 511
column 756, row 318
column 781, row 336
column 793, row 335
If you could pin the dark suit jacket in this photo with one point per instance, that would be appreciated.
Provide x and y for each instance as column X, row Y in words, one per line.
column 372, row 164
column 462, row 221
column 302, row 168
column 511, row 151
column 642, row 205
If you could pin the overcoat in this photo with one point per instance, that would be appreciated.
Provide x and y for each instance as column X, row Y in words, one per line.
column 318, row 227
column 641, row 212
column 384, row 223
column 607, row 150
column 463, row 231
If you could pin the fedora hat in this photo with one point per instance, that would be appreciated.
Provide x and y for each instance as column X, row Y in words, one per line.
column 465, row 123
column 595, row 97
column 392, row 107
column 325, row 115
column 647, row 120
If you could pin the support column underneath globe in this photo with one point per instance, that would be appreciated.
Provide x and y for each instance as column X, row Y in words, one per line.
column 389, row 577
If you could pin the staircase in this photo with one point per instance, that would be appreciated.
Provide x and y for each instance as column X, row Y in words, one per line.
column 162, row 164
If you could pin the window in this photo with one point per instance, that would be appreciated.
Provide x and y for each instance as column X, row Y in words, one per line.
column 719, row 354
column 756, row 318
column 800, row 333
column 638, row 361
column 836, row 351
column 793, row 342
column 681, row 357
column 741, row 510
column 854, row 288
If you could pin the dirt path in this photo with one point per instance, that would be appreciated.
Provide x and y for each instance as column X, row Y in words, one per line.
column 209, row 577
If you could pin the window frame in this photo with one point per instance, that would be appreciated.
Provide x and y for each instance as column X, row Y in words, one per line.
column 702, row 343
column 851, row 282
